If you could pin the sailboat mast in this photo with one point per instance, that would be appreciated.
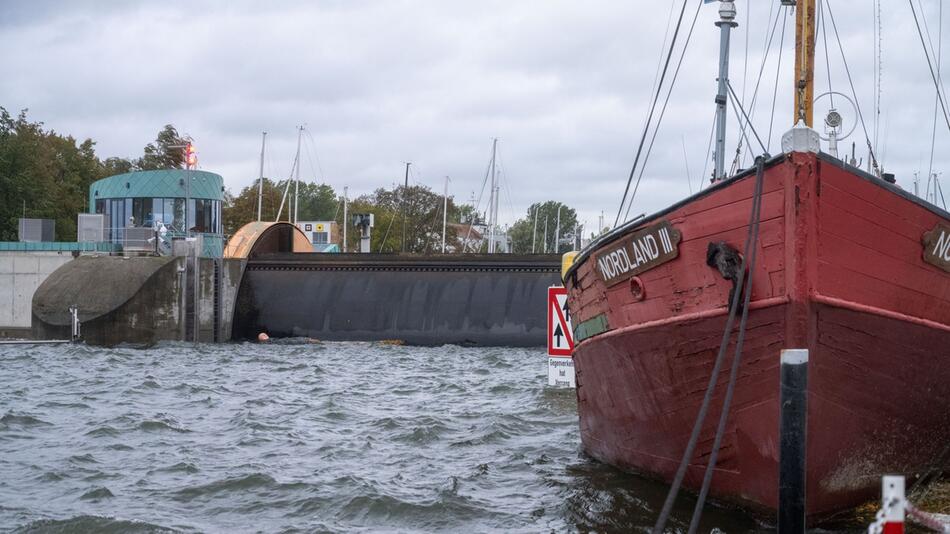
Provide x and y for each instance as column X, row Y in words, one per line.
column 534, row 234
column 492, row 201
column 445, row 211
column 260, row 181
column 297, row 179
column 727, row 15
column 346, row 221
column 805, row 61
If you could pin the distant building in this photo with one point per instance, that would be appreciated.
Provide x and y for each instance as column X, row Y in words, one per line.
column 155, row 200
column 323, row 235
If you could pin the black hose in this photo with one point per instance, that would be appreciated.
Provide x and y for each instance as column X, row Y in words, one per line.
column 737, row 359
column 713, row 377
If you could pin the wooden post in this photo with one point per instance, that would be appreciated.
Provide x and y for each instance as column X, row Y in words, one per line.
column 792, row 440
column 804, row 61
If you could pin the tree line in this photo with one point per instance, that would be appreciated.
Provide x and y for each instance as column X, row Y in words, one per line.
column 46, row 175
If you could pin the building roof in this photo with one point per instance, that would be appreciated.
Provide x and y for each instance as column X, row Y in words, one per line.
column 168, row 183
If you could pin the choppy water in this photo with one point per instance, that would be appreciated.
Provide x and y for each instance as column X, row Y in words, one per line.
column 303, row 438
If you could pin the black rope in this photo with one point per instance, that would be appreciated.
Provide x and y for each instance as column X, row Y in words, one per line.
column 656, row 99
column 751, row 251
column 713, row 376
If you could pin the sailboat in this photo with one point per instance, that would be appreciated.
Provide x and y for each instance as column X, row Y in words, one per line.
column 841, row 262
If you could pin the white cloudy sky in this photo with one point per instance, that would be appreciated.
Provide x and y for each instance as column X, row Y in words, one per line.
column 564, row 85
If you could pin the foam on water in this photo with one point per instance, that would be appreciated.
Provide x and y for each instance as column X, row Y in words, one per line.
column 303, row 437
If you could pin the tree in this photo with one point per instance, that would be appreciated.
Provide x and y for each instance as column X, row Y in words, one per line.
column 522, row 232
column 318, row 202
column 416, row 208
column 242, row 209
column 43, row 175
column 165, row 153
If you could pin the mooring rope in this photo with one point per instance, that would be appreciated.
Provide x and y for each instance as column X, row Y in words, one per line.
column 737, row 359
column 751, row 237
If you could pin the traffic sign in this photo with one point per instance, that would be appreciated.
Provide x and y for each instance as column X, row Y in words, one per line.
column 560, row 332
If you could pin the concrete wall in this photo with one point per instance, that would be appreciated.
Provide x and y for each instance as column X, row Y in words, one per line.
column 231, row 271
column 20, row 274
column 134, row 300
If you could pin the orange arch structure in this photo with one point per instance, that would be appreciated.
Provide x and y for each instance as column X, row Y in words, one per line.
column 266, row 237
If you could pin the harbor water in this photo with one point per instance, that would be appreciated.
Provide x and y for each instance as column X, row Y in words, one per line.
column 305, row 437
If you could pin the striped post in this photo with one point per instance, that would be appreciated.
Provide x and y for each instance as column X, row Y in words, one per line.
column 893, row 503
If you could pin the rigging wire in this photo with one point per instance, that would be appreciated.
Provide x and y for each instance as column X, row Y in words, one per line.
column 656, row 99
column 316, row 155
column 767, row 40
column 878, row 69
column 933, row 134
column 943, row 90
column 778, row 70
column 755, row 95
column 824, row 36
column 737, row 108
column 689, row 181
column 712, row 131
column 478, row 203
column 659, row 121
column 930, row 65
column 847, row 70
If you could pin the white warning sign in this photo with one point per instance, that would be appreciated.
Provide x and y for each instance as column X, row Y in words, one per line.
column 560, row 339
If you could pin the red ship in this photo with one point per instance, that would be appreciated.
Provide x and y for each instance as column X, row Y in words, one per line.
column 849, row 266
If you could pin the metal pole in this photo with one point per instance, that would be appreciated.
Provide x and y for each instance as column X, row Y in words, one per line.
column 405, row 199
column 346, row 222
column 557, row 232
column 260, row 181
column 534, row 234
column 727, row 13
column 445, row 212
column 297, row 179
column 792, row 441
column 492, row 201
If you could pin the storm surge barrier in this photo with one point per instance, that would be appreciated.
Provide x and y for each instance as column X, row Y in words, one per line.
column 471, row 299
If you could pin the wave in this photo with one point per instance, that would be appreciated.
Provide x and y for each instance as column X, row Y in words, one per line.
column 92, row 524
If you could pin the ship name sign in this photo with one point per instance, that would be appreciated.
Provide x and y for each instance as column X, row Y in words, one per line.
column 639, row 252
column 937, row 247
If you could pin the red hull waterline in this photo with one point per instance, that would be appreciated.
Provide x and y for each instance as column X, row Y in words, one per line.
column 841, row 271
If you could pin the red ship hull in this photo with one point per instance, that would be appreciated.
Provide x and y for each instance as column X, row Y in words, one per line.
column 840, row 272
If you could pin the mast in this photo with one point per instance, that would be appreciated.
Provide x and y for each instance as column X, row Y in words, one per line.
column 545, row 234
column 534, row 234
column 405, row 199
column 727, row 14
column 445, row 212
column 804, row 62
column 297, row 179
column 260, row 181
column 492, row 201
column 557, row 231
column 345, row 221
